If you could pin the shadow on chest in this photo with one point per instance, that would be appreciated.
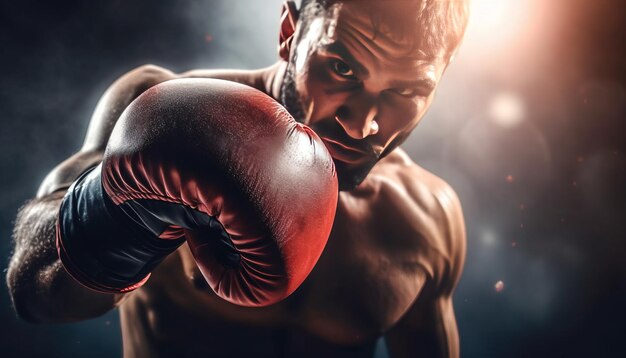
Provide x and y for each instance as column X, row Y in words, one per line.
column 365, row 280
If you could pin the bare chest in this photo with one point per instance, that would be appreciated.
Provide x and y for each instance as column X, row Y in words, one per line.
column 362, row 284
column 364, row 281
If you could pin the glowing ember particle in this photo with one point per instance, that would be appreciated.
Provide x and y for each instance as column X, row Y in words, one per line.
column 499, row 286
column 510, row 178
column 208, row 38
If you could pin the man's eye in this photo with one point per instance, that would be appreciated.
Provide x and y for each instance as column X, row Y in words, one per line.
column 341, row 68
column 406, row 92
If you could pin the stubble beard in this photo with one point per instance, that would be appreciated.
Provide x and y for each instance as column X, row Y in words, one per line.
column 289, row 95
column 349, row 177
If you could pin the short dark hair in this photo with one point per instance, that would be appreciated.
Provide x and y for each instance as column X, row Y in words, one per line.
column 443, row 21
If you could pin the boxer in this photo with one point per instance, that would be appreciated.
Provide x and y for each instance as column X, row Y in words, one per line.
column 361, row 74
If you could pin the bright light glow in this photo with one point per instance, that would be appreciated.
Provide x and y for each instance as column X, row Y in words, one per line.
column 490, row 14
column 498, row 19
column 507, row 109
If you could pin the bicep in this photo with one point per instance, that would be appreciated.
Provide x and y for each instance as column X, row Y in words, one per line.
column 429, row 327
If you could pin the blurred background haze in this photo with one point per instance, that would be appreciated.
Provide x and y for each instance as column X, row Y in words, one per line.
column 528, row 127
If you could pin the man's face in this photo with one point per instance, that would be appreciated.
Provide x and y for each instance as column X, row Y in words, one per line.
column 362, row 91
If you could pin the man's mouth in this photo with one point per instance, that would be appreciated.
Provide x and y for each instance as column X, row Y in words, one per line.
column 344, row 153
column 342, row 147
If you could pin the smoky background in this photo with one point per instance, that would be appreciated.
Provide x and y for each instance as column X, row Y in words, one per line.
column 528, row 127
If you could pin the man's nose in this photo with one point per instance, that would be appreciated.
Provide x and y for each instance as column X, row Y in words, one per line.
column 358, row 119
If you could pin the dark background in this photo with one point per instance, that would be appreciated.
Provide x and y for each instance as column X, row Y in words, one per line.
column 528, row 127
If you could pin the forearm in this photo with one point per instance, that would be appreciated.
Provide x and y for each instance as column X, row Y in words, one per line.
column 40, row 288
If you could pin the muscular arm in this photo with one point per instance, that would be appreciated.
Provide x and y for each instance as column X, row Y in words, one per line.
column 40, row 288
column 428, row 328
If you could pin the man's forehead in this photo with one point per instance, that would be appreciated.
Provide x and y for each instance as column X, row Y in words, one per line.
column 390, row 25
column 390, row 33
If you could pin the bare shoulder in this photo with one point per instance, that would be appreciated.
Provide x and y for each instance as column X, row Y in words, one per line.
column 118, row 96
column 398, row 172
column 432, row 209
column 146, row 75
column 247, row 77
column 264, row 79
column 115, row 100
column 110, row 106
column 131, row 84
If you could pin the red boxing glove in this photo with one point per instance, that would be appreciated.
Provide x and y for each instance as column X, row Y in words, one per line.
column 223, row 164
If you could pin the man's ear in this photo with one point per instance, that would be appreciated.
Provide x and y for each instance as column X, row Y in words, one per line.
column 288, row 20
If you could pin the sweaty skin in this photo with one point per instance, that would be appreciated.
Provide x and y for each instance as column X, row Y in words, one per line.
column 392, row 261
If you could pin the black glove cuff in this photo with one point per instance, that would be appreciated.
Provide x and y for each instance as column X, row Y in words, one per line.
column 101, row 246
